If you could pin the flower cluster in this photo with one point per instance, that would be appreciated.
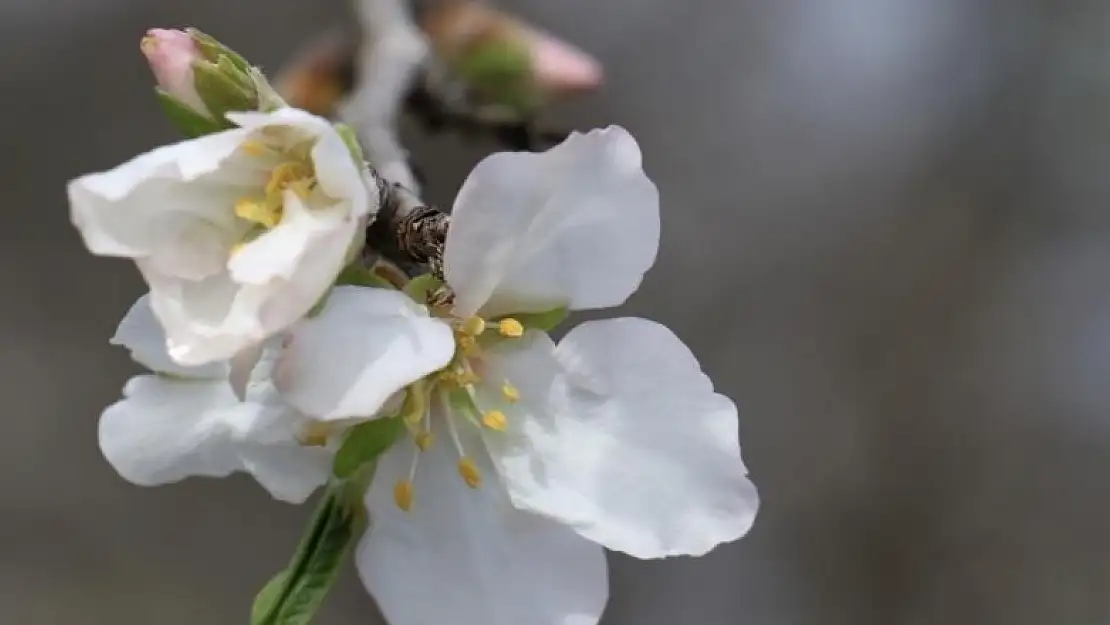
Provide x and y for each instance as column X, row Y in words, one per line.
column 517, row 458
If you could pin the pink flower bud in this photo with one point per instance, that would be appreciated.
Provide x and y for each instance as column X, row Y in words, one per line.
column 560, row 67
column 171, row 54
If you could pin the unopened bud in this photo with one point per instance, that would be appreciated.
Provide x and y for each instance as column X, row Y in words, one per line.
column 200, row 80
column 505, row 59
column 171, row 54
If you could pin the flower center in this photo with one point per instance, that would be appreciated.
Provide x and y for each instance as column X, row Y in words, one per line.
column 263, row 212
column 455, row 389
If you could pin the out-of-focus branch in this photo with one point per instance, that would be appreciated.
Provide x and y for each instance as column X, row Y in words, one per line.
column 465, row 68
column 387, row 62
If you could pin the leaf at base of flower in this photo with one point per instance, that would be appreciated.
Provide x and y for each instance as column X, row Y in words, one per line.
column 294, row 595
column 365, row 443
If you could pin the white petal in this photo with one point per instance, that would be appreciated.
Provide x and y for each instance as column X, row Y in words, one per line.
column 265, row 432
column 575, row 226
column 218, row 317
column 364, row 346
column 205, row 320
column 141, row 333
column 148, row 204
column 629, row 445
column 241, row 367
column 278, row 253
column 165, row 430
column 339, row 176
column 466, row 556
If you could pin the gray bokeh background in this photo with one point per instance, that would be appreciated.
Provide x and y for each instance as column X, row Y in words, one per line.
column 885, row 234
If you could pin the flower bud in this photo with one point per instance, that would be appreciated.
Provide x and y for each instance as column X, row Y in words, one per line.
column 200, row 80
column 171, row 54
column 506, row 59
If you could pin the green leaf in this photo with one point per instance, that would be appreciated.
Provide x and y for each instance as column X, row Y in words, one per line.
column 188, row 121
column 545, row 321
column 294, row 595
column 268, row 597
column 357, row 275
column 364, row 443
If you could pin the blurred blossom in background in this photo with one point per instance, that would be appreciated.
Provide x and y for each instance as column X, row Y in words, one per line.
column 886, row 234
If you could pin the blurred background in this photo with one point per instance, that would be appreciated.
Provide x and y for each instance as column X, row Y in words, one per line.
column 886, row 236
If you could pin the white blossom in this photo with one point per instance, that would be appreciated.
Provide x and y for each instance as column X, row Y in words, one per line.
column 526, row 457
column 185, row 421
column 238, row 234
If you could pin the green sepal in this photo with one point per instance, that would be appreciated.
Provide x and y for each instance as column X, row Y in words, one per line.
column 546, row 321
column 365, row 443
column 220, row 90
column 420, row 287
column 293, row 596
column 350, row 137
column 212, row 50
column 228, row 68
column 188, row 121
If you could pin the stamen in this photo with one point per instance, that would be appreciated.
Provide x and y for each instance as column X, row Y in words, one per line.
column 424, row 440
column 257, row 212
column 467, row 345
column 469, row 472
column 510, row 392
column 474, row 326
column 284, row 174
column 453, row 432
column 466, row 377
column 402, row 495
column 510, row 328
column 495, row 420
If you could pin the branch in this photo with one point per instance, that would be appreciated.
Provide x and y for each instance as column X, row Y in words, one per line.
column 407, row 232
column 387, row 62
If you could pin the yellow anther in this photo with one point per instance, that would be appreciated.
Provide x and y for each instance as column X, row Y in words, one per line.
column 510, row 393
column 424, row 440
column 510, row 328
column 469, row 472
column 253, row 147
column 402, row 495
column 257, row 212
column 284, row 174
column 474, row 326
column 315, row 434
column 495, row 420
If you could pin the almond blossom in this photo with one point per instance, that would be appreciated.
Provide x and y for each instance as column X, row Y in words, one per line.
column 527, row 457
column 238, row 234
